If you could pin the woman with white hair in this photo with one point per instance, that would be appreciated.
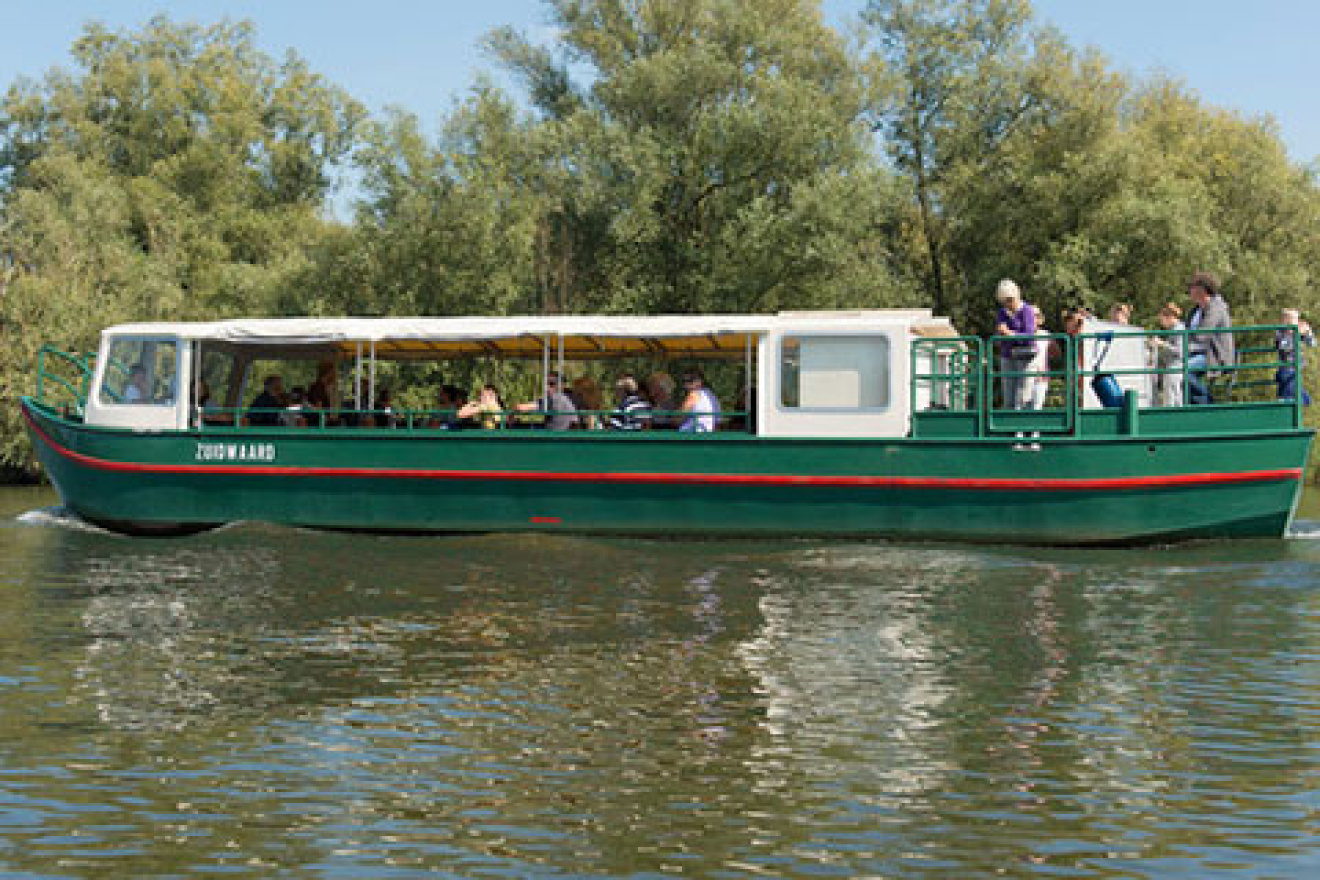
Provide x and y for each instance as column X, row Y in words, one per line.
column 1017, row 318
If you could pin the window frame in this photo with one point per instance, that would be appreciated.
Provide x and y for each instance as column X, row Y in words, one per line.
column 789, row 339
column 104, row 399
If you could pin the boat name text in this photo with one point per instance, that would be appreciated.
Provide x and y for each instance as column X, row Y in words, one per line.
column 235, row 452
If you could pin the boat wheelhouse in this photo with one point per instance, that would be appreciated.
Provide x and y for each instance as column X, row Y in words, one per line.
column 864, row 423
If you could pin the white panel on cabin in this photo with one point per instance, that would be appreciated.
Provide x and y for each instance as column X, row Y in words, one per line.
column 843, row 372
column 845, row 378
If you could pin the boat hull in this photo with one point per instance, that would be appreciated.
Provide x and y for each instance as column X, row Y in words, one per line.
column 1071, row 491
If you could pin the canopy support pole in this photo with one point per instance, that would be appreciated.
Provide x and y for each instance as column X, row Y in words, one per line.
column 562, row 384
column 195, row 368
column 545, row 371
column 747, row 385
column 357, row 375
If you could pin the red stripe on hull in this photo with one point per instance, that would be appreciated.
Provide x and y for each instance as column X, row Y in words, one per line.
column 1053, row 484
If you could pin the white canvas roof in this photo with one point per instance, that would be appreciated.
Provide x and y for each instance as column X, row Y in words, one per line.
column 518, row 336
column 287, row 331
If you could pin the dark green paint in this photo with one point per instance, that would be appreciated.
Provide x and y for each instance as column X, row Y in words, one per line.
column 1072, row 516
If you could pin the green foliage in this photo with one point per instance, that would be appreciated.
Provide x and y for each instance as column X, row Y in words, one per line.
column 179, row 174
column 716, row 162
column 1029, row 160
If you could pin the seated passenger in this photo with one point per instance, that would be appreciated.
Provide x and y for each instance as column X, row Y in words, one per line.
column 210, row 413
column 488, row 409
column 264, row 409
column 450, row 401
column 137, row 390
column 384, row 412
column 293, row 417
column 559, row 410
column 700, row 405
column 660, row 389
column 587, row 398
column 321, row 394
column 632, row 412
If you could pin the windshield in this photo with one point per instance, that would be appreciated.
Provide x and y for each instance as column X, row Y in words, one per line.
column 140, row 372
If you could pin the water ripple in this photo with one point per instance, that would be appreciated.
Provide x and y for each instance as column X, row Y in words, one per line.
column 266, row 701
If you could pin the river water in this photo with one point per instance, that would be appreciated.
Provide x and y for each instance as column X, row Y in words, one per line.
column 265, row 701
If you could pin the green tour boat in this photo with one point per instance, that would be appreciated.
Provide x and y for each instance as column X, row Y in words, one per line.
column 867, row 423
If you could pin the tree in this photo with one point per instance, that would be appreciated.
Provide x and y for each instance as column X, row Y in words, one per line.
column 1030, row 160
column 717, row 160
column 951, row 88
column 444, row 229
column 180, row 173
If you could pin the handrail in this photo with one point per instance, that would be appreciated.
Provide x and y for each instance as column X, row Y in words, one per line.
column 1069, row 374
column 82, row 364
column 412, row 419
column 941, row 366
column 964, row 376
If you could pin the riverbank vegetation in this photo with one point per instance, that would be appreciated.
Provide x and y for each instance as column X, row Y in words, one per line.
column 680, row 156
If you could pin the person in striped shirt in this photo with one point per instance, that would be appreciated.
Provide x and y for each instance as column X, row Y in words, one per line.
column 632, row 412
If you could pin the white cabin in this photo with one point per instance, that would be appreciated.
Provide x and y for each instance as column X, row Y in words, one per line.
column 814, row 374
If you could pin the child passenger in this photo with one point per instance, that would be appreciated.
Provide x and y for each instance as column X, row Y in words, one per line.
column 1285, row 377
column 1168, row 352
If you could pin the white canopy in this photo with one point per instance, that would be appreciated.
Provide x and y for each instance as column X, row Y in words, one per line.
column 516, row 336
column 311, row 331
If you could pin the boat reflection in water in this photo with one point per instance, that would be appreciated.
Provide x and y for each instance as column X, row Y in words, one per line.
column 860, row 669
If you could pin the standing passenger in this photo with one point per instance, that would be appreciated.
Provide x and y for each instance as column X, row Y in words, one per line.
column 1169, row 356
column 1207, row 350
column 1015, row 317
column 1039, row 381
column 1286, row 375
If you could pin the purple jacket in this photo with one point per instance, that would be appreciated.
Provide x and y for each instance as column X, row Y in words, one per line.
column 1020, row 323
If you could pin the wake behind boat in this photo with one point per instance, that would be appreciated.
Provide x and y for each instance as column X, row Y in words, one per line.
column 867, row 423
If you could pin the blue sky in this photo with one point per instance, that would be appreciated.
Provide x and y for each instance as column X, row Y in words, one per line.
column 1258, row 58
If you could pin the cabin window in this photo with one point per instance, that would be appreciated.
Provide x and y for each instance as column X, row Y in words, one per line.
column 834, row 372
column 140, row 372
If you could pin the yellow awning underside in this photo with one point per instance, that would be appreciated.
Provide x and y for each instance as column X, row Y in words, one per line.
column 574, row 347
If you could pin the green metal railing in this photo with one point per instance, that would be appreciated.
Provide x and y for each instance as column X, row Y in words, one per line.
column 729, row 421
column 965, row 374
column 959, row 385
column 73, row 379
